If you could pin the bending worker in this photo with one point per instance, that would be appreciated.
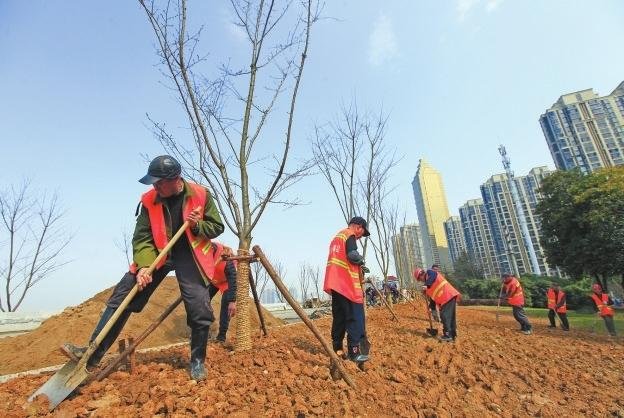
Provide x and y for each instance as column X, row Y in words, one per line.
column 438, row 289
column 164, row 209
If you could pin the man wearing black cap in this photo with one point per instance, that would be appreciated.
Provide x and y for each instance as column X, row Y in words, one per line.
column 164, row 209
column 342, row 282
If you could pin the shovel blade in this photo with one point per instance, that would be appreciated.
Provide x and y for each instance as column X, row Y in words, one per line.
column 59, row 386
column 432, row 331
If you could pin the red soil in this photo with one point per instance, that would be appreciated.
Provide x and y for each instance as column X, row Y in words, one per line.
column 492, row 370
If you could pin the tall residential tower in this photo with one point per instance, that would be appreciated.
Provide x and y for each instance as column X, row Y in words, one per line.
column 585, row 130
column 432, row 212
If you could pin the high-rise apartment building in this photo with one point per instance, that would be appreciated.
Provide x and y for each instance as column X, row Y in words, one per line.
column 479, row 244
column 504, row 225
column 454, row 237
column 432, row 212
column 407, row 249
column 585, row 130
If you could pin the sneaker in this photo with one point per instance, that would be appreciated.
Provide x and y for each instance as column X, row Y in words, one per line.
column 446, row 339
column 527, row 332
column 356, row 355
column 73, row 352
column 198, row 371
column 220, row 338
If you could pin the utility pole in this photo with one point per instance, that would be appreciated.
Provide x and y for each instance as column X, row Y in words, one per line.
column 515, row 197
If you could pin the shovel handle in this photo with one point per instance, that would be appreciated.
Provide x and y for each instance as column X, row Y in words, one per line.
column 95, row 344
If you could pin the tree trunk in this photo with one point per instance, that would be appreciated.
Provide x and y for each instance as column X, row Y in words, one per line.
column 243, row 335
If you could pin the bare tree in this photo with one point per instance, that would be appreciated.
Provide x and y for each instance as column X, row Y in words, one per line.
column 35, row 238
column 351, row 154
column 314, row 274
column 261, row 278
column 124, row 244
column 304, row 282
column 228, row 114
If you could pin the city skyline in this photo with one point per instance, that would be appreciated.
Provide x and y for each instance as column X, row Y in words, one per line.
column 456, row 79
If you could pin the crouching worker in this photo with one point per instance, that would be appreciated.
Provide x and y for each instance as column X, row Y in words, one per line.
column 165, row 208
column 224, row 281
column 342, row 282
column 604, row 307
column 439, row 290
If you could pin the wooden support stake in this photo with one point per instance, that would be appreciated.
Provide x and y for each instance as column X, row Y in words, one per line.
column 335, row 361
column 254, row 292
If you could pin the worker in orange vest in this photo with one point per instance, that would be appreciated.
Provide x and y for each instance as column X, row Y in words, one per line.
column 438, row 289
column 603, row 307
column 512, row 290
column 556, row 302
column 342, row 282
column 224, row 281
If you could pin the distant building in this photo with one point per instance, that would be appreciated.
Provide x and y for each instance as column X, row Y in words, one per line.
column 585, row 130
column 511, row 252
column 479, row 244
column 454, row 237
column 407, row 249
column 432, row 211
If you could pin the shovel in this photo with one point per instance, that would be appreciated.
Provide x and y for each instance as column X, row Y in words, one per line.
column 73, row 373
column 365, row 343
column 431, row 330
column 500, row 292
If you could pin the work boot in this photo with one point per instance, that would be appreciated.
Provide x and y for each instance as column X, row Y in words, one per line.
column 446, row 339
column 356, row 355
column 199, row 340
column 220, row 338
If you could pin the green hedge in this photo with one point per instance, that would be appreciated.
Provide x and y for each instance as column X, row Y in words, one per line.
column 535, row 287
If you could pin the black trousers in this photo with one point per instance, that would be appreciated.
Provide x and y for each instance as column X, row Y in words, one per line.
column 448, row 317
column 610, row 325
column 224, row 318
column 563, row 317
column 521, row 317
column 195, row 293
column 347, row 316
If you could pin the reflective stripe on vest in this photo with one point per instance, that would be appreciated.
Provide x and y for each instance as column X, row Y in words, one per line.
column 601, row 304
column 441, row 291
column 552, row 303
column 341, row 275
column 200, row 246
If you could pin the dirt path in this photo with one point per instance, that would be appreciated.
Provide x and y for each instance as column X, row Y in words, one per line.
column 493, row 370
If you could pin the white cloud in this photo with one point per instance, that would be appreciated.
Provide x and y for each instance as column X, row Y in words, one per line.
column 382, row 43
column 466, row 7
column 492, row 4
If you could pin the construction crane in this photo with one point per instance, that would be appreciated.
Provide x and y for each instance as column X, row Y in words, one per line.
column 515, row 197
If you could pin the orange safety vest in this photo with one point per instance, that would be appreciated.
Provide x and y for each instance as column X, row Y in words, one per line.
column 552, row 303
column 441, row 291
column 515, row 288
column 341, row 275
column 219, row 280
column 201, row 246
column 601, row 304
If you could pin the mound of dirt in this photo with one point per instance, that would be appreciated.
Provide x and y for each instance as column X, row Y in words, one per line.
column 39, row 348
column 492, row 370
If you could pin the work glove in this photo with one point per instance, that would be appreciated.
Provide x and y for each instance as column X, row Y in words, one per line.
column 365, row 269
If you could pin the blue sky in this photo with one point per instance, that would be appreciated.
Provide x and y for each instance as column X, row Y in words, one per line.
column 456, row 77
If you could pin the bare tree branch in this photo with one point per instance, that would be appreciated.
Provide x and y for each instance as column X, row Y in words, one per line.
column 36, row 239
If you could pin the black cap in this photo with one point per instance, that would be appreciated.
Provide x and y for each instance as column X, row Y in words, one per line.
column 358, row 220
column 162, row 167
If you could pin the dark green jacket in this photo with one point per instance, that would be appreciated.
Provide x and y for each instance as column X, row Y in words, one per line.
column 143, row 247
